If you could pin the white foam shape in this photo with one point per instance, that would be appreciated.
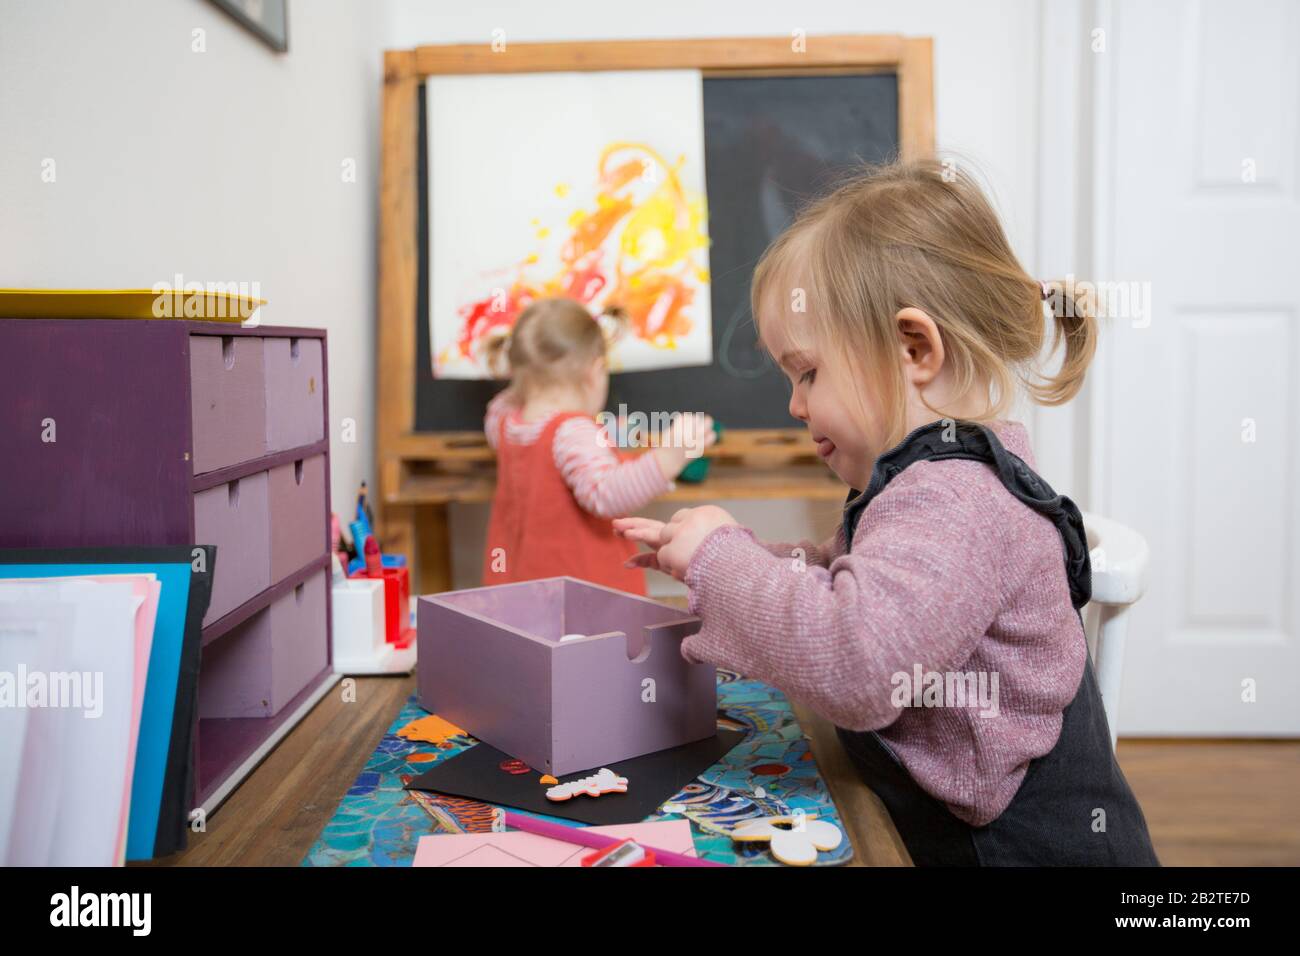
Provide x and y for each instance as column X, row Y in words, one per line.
column 603, row 781
column 796, row 847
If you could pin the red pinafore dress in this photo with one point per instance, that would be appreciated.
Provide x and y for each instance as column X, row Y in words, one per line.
column 538, row 529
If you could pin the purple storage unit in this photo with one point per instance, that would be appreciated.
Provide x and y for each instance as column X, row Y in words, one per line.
column 491, row 660
column 162, row 430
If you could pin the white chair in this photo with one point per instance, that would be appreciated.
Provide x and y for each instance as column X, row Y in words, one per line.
column 1119, row 577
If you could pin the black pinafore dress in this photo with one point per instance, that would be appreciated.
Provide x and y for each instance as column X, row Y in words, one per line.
column 1054, row 818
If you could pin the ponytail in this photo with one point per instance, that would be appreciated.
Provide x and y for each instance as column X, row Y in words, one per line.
column 496, row 354
column 614, row 323
column 1073, row 308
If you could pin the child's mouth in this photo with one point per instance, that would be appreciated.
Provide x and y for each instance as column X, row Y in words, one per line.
column 824, row 447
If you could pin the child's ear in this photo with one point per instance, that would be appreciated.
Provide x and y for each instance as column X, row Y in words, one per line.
column 920, row 346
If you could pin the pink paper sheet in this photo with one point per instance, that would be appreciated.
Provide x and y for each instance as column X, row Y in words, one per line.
column 150, row 588
column 517, row 848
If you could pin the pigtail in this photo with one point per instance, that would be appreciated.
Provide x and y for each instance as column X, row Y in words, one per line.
column 1073, row 308
column 614, row 323
column 495, row 352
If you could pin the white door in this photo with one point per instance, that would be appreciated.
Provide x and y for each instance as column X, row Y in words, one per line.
column 1195, row 408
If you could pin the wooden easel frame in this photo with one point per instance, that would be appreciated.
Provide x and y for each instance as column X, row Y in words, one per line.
column 398, row 446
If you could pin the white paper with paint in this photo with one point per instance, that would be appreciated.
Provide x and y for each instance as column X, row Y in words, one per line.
column 585, row 185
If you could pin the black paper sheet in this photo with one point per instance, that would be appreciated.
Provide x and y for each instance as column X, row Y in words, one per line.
column 476, row 774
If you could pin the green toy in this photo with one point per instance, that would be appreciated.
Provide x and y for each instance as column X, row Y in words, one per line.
column 697, row 469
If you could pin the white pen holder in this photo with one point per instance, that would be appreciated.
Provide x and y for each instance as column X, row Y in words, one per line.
column 359, row 644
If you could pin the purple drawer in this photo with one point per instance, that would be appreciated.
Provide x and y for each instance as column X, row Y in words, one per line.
column 235, row 517
column 299, row 639
column 299, row 524
column 259, row 666
column 235, row 675
column 228, row 400
column 295, row 411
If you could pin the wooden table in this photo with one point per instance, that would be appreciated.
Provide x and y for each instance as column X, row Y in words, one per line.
column 277, row 814
column 414, row 521
column 867, row 823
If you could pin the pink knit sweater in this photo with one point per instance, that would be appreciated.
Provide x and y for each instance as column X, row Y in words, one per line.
column 948, row 571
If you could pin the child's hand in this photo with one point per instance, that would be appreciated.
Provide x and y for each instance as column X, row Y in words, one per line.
column 692, row 432
column 645, row 530
column 685, row 439
column 674, row 543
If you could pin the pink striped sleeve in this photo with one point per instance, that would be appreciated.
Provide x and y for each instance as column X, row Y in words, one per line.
column 497, row 409
column 601, row 483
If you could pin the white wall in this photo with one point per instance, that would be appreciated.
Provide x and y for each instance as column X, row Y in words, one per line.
column 222, row 166
column 985, row 65
column 986, row 95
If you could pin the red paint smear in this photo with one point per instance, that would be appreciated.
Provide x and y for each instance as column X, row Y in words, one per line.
column 769, row 770
column 586, row 279
column 481, row 317
column 643, row 297
column 515, row 766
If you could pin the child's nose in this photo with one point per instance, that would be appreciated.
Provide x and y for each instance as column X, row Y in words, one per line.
column 797, row 406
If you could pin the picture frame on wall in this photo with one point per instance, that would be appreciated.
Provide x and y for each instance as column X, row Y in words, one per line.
column 268, row 20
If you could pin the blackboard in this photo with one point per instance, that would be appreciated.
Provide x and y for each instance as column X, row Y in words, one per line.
column 771, row 144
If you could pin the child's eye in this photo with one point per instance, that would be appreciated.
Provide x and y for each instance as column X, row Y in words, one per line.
column 808, row 376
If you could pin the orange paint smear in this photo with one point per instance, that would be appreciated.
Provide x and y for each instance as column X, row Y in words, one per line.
column 653, row 227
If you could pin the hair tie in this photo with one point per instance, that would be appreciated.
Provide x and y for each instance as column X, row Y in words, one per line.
column 1042, row 288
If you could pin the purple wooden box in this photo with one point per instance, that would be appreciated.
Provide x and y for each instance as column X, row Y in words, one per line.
column 491, row 661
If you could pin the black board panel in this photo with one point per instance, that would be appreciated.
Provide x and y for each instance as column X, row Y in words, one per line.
column 771, row 144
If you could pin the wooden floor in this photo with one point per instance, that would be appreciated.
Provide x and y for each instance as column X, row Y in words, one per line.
column 1208, row 803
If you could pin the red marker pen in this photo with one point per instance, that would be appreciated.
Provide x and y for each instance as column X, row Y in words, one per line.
column 374, row 561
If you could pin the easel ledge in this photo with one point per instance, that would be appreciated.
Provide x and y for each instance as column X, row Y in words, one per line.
column 421, row 474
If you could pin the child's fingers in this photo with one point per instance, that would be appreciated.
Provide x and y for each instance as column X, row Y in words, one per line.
column 644, row 559
column 648, row 536
column 627, row 526
column 641, row 529
column 635, row 521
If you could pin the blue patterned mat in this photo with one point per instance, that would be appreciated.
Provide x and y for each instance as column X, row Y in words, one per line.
column 772, row 772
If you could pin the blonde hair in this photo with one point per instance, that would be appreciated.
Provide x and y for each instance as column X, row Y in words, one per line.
column 922, row 234
column 551, row 344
